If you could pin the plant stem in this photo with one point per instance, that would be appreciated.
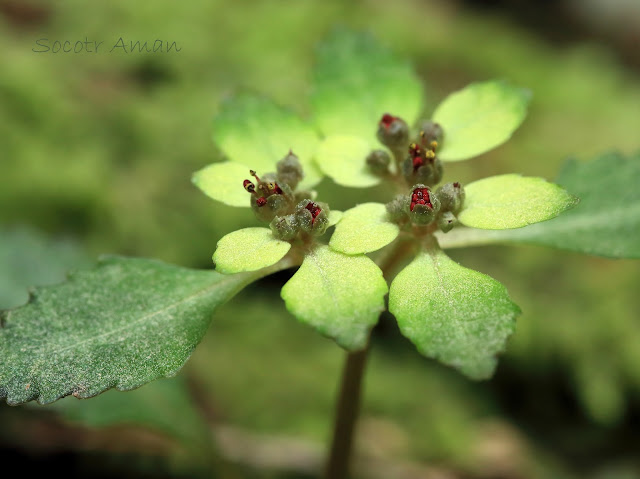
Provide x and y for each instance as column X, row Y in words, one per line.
column 346, row 414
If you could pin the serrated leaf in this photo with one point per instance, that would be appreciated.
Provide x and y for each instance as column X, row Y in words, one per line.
column 606, row 222
column 512, row 201
column 164, row 406
column 340, row 296
column 223, row 182
column 254, row 131
column 344, row 159
column 356, row 81
column 123, row 324
column 479, row 118
column 248, row 249
column 363, row 229
column 453, row 314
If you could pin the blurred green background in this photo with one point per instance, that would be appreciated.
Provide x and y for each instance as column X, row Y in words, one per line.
column 96, row 154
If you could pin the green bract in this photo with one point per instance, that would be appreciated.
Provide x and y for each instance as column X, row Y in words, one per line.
column 479, row 118
column 363, row 229
column 453, row 314
column 356, row 81
column 339, row 295
column 342, row 157
column 248, row 249
column 512, row 201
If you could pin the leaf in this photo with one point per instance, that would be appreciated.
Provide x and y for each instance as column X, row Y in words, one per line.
column 248, row 249
column 606, row 222
column 223, row 182
column 123, row 324
column 512, row 201
column 341, row 296
column 453, row 314
column 334, row 217
column 343, row 158
column 164, row 406
column 363, row 229
column 254, row 131
column 356, row 81
column 479, row 118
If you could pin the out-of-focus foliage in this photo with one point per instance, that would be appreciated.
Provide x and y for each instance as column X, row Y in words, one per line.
column 103, row 146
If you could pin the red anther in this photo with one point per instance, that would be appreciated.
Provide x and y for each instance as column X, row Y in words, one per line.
column 456, row 185
column 261, row 201
column 249, row 186
column 418, row 161
column 314, row 209
column 420, row 196
column 387, row 120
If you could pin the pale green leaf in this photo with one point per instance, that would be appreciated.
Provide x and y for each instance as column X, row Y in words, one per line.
column 223, row 182
column 334, row 217
column 254, row 131
column 341, row 296
column 344, row 159
column 123, row 324
column 606, row 222
column 248, row 249
column 363, row 229
column 479, row 118
column 453, row 314
column 512, row 201
column 356, row 81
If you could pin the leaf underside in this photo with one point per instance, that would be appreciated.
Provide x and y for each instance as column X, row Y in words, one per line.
column 453, row 314
column 125, row 323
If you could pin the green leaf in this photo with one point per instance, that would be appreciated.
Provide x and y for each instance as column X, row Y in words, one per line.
column 343, row 158
column 248, row 249
column 356, row 81
column 363, row 229
column 164, row 406
column 334, row 217
column 341, row 296
column 479, row 118
column 223, row 182
column 606, row 222
column 453, row 314
column 123, row 324
column 254, row 131
column 512, row 201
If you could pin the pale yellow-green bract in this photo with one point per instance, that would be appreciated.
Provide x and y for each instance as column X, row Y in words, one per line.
column 335, row 217
column 356, row 80
column 453, row 314
column 363, row 229
column 479, row 118
column 512, row 201
column 254, row 131
column 343, row 158
column 340, row 296
column 248, row 249
column 223, row 182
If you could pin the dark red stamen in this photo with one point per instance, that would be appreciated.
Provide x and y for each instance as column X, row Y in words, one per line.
column 261, row 201
column 456, row 185
column 415, row 150
column 387, row 120
column 314, row 209
column 420, row 196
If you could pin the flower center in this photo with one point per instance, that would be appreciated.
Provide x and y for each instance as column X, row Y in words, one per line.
column 420, row 196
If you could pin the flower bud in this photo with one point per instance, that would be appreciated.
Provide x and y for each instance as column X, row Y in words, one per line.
column 285, row 227
column 378, row 162
column 430, row 132
column 451, row 195
column 290, row 170
column 396, row 209
column 313, row 217
column 423, row 206
column 393, row 131
column 447, row 221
